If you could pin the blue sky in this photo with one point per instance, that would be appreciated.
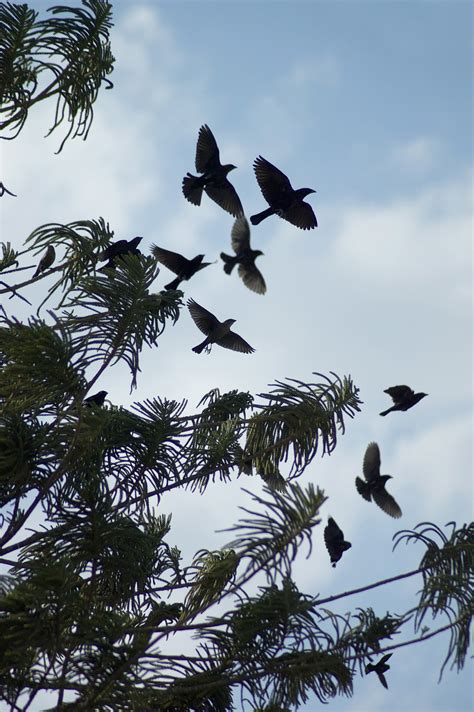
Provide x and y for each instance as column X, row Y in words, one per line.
column 370, row 104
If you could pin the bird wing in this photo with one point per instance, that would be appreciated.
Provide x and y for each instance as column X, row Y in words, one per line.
column 386, row 502
column 382, row 679
column 114, row 249
column 371, row 466
column 398, row 393
column 225, row 195
column 174, row 261
column 252, row 278
column 333, row 533
column 236, row 343
column 207, row 152
column 302, row 215
column 240, row 235
column 274, row 184
column 204, row 320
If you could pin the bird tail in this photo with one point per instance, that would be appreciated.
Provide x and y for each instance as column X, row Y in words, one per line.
column 192, row 188
column 229, row 262
column 174, row 284
column 200, row 347
column 384, row 412
column 256, row 219
column 363, row 488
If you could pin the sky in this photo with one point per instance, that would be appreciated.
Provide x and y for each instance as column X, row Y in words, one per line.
column 370, row 104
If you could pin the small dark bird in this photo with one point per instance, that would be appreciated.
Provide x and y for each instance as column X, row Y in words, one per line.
column 178, row 264
column 374, row 486
column 217, row 332
column 119, row 249
column 380, row 668
column 46, row 261
column 334, row 540
column 282, row 199
column 244, row 256
column 96, row 399
column 403, row 398
column 214, row 176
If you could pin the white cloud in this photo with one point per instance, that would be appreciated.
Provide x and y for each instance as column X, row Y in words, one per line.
column 417, row 155
column 324, row 69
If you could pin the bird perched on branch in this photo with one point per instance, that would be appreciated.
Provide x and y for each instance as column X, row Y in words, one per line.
column 96, row 399
column 334, row 540
column 380, row 668
column 214, row 176
column 282, row 199
column 178, row 264
column 403, row 398
column 217, row 332
column 374, row 486
column 118, row 249
column 46, row 261
column 244, row 256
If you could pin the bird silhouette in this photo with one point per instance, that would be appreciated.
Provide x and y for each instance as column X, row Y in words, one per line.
column 96, row 399
column 46, row 261
column 380, row 668
column 244, row 256
column 283, row 200
column 214, row 176
column 118, row 249
column 403, row 398
column 334, row 540
column 374, row 486
column 217, row 332
column 178, row 264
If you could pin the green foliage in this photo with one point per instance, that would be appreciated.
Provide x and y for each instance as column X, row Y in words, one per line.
column 292, row 416
column 66, row 56
column 448, row 582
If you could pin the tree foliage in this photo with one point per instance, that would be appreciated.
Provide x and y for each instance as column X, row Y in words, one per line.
column 95, row 596
column 66, row 56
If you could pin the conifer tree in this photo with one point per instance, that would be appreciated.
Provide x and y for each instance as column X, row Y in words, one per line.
column 94, row 594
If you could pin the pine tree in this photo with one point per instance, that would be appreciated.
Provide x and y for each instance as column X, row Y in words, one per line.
column 95, row 593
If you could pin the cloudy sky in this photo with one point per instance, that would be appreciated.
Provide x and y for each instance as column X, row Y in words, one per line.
column 371, row 105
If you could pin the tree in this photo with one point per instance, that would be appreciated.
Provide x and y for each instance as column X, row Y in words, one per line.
column 95, row 591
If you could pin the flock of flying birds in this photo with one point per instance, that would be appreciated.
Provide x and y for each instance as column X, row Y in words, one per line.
column 290, row 205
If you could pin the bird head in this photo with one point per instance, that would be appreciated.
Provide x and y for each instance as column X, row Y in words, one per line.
column 228, row 167
column 384, row 478
column 229, row 322
column 257, row 253
column 134, row 242
column 305, row 191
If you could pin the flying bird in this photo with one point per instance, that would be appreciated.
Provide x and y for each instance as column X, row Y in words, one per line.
column 214, row 176
column 119, row 249
column 178, row 264
column 244, row 256
column 374, row 485
column 96, row 399
column 46, row 261
column 334, row 540
column 380, row 668
column 282, row 199
column 217, row 332
column 403, row 398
